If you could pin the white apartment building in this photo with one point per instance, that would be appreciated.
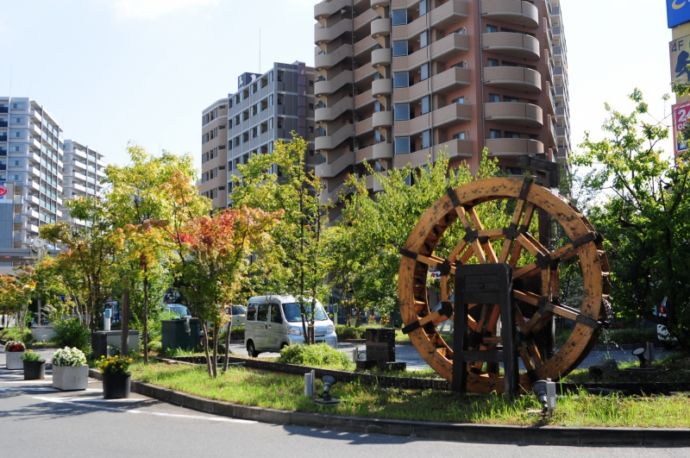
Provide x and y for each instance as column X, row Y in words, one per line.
column 83, row 173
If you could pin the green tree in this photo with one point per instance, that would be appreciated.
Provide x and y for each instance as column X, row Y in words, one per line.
column 145, row 199
column 363, row 248
column 15, row 293
column 279, row 181
column 643, row 211
column 84, row 267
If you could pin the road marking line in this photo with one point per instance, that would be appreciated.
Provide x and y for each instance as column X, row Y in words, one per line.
column 66, row 400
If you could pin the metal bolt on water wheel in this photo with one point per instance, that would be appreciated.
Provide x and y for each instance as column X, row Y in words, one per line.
column 454, row 231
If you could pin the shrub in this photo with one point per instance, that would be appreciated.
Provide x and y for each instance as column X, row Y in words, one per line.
column 114, row 364
column 66, row 356
column 14, row 346
column 71, row 333
column 320, row 355
column 18, row 334
column 345, row 332
column 32, row 356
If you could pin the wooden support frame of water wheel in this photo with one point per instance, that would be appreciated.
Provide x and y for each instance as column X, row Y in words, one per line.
column 537, row 272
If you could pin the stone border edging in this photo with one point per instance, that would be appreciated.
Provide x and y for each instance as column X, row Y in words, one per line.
column 456, row 432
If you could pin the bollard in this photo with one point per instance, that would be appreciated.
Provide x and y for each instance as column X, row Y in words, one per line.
column 309, row 384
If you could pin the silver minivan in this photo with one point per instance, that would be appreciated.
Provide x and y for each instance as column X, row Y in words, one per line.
column 275, row 321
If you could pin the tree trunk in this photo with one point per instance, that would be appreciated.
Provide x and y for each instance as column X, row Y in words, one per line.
column 206, row 352
column 146, row 316
column 216, row 329
column 227, row 346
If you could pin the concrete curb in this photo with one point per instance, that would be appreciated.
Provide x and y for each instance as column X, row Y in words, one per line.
column 457, row 432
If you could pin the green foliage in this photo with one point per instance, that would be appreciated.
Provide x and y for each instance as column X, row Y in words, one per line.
column 345, row 332
column 319, row 355
column 642, row 209
column 32, row 356
column 71, row 332
column 363, row 248
column 16, row 333
column 15, row 294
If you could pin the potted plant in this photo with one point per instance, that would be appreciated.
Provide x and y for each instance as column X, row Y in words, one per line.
column 14, row 350
column 34, row 366
column 70, row 371
column 116, row 376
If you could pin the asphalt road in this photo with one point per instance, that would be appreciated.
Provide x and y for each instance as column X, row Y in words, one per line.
column 38, row 421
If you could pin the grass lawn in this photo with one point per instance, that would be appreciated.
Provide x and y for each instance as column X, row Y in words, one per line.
column 281, row 391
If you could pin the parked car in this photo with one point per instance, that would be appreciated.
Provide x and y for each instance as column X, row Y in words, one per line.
column 238, row 314
column 275, row 321
column 181, row 311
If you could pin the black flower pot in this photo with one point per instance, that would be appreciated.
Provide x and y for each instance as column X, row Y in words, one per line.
column 34, row 370
column 116, row 386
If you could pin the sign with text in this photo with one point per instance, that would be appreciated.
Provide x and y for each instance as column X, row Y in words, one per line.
column 681, row 111
column 679, row 53
column 677, row 12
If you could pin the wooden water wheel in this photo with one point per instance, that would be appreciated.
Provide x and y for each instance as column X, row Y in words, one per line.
column 455, row 230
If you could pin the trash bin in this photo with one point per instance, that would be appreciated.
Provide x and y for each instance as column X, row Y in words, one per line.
column 181, row 333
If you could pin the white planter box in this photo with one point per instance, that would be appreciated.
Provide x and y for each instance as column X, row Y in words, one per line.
column 13, row 360
column 69, row 378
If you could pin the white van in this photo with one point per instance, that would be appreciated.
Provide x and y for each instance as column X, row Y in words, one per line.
column 275, row 321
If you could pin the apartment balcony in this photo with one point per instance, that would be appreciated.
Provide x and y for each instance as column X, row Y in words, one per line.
column 450, row 114
column 373, row 184
column 363, row 126
column 332, row 141
column 35, row 186
column 363, row 21
column 513, row 78
column 513, row 146
column 364, row 72
column 374, row 152
column 445, row 81
column 382, row 119
column 330, row 59
column 326, row 34
column 518, row 113
column 380, row 27
column 380, row 3
column 520, row 13
column 329, row 8
column 330, row 86
column 333, row 195
column 382, row 87
column 453, row 149
column 448, row 13
column 333, row 169
column 364, row 99
column 365, row 45
column 512, row 44
column 35, row 172
column 333, row 112
column 381, row 56
column 446, row 46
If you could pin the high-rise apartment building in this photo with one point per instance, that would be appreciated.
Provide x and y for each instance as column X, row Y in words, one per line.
column 31, row 167
column 400, row 80
column 83, row 172
column 266, row 107
column 214, row 157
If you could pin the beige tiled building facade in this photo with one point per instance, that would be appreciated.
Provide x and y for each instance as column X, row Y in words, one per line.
column 400, row 80
column 214, row 157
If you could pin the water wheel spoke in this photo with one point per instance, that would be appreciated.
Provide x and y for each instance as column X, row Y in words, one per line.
column 546, row 307
column 484, row 239
column 431, row 260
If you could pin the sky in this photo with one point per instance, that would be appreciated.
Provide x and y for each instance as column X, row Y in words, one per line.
column 115, row 72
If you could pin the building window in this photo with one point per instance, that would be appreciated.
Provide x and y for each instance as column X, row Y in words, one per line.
column 401, row 111
column 424, row 39
column 460, row 136
column 491, row 28
column 494, row 98
column 401, row 79
column 493, row 62
column 426, row 104
column 423, row 7
column 424, row 71
column 399, row 17
column 460, row 100
column 402, row 145
column 426, row 139
column 399, row 48
column 494, row 133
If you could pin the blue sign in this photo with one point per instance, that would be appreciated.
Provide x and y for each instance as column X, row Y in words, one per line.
column 677, row 12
